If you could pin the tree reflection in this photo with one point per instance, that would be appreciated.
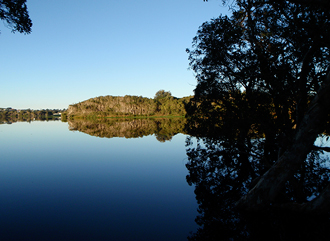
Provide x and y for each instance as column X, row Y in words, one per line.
column 163, row 128
column 224, row 168
column 15, row 119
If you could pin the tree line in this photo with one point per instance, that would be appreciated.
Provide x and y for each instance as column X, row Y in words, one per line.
column 13, row 115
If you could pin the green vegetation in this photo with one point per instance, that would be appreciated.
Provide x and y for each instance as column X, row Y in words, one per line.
column 164, row 104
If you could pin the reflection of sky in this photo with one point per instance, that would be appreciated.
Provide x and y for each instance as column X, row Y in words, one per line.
column 69, row 184
column 324, row 141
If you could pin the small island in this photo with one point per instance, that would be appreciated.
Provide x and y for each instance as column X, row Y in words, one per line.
column 163, row 104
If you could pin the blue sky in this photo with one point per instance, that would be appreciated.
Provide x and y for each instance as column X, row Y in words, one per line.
column 81, row 49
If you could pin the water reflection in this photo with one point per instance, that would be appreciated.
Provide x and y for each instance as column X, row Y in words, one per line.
column 163, row 128
column 63, row 185
column 21, row 118
column 223, row 168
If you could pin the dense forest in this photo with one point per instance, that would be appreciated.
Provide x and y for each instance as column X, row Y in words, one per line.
column 163, row 104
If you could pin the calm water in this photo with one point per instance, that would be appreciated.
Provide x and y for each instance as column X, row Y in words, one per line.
column 57, row 184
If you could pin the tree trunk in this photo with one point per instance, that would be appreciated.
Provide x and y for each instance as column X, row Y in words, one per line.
column 272, row 182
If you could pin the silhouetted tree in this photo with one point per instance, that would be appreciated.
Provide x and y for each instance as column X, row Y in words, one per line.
column 257, row 71
column 15, row 14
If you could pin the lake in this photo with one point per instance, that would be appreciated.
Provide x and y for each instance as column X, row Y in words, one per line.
column 60, row 183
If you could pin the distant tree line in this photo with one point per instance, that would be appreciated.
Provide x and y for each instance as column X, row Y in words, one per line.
column 10, row 114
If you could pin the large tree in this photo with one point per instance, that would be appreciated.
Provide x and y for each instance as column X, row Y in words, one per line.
column 162, row 94
column 262, row 67
column 15, row 14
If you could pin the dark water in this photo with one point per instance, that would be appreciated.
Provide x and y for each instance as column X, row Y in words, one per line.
column 57, row 184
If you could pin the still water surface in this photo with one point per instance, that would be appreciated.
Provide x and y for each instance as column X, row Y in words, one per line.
column 57, row 184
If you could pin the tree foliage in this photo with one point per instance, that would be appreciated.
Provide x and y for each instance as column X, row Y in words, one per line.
column 280, row 49
column 121, row 106
column 162, row 94
column 15, row 14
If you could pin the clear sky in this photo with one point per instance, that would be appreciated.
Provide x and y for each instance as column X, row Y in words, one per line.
column 81, row 49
